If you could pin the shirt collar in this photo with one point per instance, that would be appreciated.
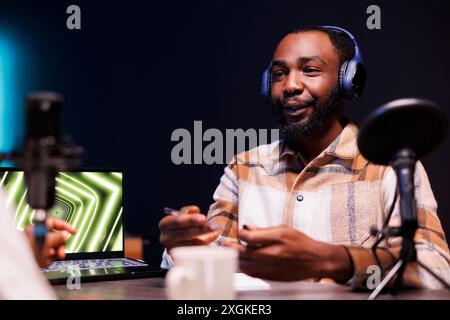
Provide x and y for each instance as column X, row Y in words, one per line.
column 343, row 147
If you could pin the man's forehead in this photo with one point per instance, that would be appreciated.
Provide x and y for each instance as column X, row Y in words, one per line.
column 308, row 43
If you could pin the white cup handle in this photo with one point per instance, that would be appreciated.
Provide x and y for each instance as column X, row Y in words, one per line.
column 179, row 283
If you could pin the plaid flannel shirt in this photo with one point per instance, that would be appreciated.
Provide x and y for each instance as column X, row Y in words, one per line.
column 335, row 198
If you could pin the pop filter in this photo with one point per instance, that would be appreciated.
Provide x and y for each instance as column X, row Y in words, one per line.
column 415, row 124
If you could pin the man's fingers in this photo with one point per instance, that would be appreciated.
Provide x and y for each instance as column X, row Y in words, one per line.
column 203, row 239
column 231, row 244
column 60, row 225
column 51, row 252
column 261, row 236
column 251, row 267
column 54, row 246
column 187, row 232
column 264, row 253
column 209, row 237
column 61, row 252
column 54, row 239
column 190, row 209
column 182, row 221
column 188, row 228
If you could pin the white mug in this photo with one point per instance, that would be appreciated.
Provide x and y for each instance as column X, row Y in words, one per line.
column 202, row 272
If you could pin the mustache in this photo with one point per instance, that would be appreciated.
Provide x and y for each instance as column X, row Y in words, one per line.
column 297, row 102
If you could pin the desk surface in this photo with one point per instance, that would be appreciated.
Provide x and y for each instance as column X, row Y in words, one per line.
column 153, row 288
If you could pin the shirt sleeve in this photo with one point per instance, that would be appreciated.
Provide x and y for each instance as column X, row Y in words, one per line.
column 431, row 245
column 167, row 261
column 223, row 211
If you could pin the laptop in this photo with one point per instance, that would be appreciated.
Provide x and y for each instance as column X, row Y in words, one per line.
column 91, row 200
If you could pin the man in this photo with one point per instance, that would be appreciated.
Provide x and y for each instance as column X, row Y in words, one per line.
column 20, row 259
column 304, row 205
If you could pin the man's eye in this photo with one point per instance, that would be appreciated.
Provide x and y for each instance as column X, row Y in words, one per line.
column 311, row 71
column 278, row 74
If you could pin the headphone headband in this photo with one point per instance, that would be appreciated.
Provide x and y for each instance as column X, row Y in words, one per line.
column 357, row 55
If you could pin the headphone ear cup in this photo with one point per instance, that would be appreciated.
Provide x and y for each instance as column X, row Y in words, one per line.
column 265, row 84
column 341, row 80
column 353, row 79
column 359, row 79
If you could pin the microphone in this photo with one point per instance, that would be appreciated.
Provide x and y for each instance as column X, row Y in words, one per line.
column 398, row 134
column 42, row 145
column 44, row 153
column 412, row 124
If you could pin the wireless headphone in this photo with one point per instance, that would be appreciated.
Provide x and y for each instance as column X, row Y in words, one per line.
column 352, row 73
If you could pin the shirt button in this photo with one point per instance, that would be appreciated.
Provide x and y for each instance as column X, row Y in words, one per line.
column 299, row 198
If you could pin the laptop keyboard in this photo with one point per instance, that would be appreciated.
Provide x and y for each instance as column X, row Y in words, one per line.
column 66, row 265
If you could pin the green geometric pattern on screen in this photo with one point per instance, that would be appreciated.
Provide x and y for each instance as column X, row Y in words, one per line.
column 90, row 201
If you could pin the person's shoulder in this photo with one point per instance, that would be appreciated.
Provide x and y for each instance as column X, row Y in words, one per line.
column 387, row 172
column 261, row 155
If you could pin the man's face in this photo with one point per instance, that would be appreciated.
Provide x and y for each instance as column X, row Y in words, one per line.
column 305, row 91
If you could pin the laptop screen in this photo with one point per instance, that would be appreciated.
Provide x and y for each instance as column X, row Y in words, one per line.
column 91, row 201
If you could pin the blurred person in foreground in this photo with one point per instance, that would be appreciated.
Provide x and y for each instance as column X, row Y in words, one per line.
column 20, row 259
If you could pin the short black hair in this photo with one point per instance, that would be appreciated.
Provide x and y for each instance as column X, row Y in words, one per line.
column 341, row 41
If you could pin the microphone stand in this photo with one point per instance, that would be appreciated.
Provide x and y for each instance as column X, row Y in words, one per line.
column 403, row 163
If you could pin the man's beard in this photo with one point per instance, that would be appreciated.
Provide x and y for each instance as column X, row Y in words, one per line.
column 293, row 133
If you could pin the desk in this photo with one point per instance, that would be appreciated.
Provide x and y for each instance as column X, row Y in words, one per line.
column 153, row 288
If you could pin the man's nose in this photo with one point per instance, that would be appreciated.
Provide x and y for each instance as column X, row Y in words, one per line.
column 293, row 85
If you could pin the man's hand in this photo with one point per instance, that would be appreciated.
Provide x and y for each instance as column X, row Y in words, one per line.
column 186, row 229
column 285, row 254
column 53, row 248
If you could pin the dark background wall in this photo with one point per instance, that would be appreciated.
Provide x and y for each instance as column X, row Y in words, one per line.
column 138, row 70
